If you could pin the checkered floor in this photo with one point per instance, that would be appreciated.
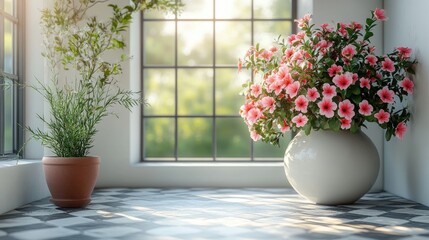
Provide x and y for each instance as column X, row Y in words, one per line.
column 170, row 214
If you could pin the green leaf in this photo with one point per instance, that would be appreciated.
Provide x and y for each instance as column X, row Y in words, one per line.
column 334, row 124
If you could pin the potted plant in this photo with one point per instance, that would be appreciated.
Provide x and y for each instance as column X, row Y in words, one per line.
column 82, row 88
column 326, row 83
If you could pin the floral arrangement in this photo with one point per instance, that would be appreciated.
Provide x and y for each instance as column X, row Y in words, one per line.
column 326, row 78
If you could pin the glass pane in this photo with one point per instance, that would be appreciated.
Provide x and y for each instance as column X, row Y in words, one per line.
column 266, row 32
column 9, row 6
column 8, row 117
column 158, row 137
column 232, row 41
column 158, row 43
column 195, row 91
column 195, row 43
column 8, row 46
column 195, row 138
column 268, row 9
column 233, row 9
column 232, row 138
column 228, row 87
column 159, row 91
column 266, row 151
column 201, row 9
column 157, row 14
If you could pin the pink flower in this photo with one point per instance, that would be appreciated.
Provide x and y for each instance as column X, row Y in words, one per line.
column 300, row 120
column 400, row 130
column 327, row 107
column 304, row 21
column 289, row 53
column 239, row 65
column 253, row 115
column 292, row 39
column 343, row 81
column 277, row 87
column 371, row 60
column 365, row 108
column 348, row 51
column 379, row 14
column 245, row 109
column 345, row 109
column 255, row 135
column 268, row 103
column 345, row 123
column 292, row 89
column 326, row 27
column 387, row 65
column 404, row 52
column 364, row 82
column 334, row 69
column 270, row 79
column 386, row 95
column 284, row 127
column 312, row 94
column 407, row 85
column 328, row 91
column 255, row 90
column 382, row 116
column 274, row 49
column 266, row 55
column 301, row 104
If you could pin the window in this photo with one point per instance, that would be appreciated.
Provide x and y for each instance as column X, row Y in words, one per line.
column 10, row 56
column 191, row 83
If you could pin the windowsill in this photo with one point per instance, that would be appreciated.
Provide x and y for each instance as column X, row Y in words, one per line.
column 208, row 164
column 19, row 162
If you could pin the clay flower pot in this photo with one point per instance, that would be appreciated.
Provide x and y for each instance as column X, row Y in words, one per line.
column 71, row 180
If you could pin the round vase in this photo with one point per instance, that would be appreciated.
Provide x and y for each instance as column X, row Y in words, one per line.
column 71, row 180
column 331, row 167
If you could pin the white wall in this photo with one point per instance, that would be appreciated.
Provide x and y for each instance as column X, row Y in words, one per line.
column 406, row 161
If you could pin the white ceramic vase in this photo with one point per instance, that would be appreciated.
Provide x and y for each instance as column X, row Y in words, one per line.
column 331, row 168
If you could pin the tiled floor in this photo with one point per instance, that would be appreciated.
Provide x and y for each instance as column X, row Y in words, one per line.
column 170, row 214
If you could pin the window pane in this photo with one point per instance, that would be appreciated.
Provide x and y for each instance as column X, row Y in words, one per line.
column 157, row 14
column 8, row 46
column 266, row 151
column 195, row 138
column 268, row 9
column 269, row 31
column 232, row 139
column 9, row 6
column 8, row 116
column 158, row 137
column 195, row 91
column 233, row 9
column 228, row 86
column 201, row 9
column 158, row 43
column 232, row 41
column 159, row 91
column 195, row 43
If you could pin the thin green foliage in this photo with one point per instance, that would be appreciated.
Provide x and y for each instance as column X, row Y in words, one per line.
column 83, row 86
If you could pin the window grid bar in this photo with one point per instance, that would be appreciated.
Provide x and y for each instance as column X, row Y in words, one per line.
column 176, row 91
column 2, row 81
column 214, row 142
column 176, row 67
column 219, row 20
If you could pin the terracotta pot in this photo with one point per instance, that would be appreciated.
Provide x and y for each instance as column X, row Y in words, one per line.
column 71, row 180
